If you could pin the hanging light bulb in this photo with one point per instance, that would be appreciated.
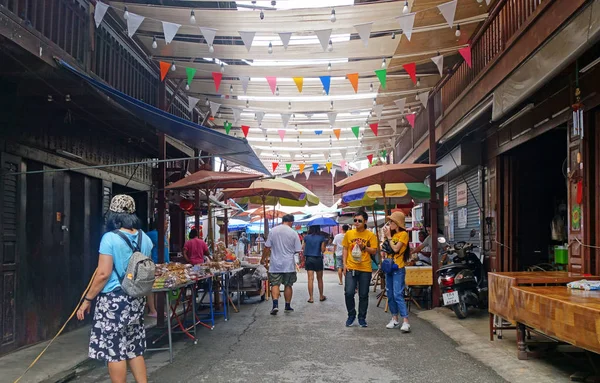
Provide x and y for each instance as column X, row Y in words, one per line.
column 329, row 67
column 173, row 67
column 207, row 103
column 187, row 86
column 277, row 91
column 383, row 64
column 331, row 105
column 154, row 43
column 330, row 46
column 417, row 97
column 192, row 17
column 323, row 92
column 374, row 102
column 457, row 34
column 270, row 50
column 405, row 8
column 371, row 88
column 247, row 103
column 290, row 105
column 332, row 18
column 222, row 67
column 262, row 15
column 126, row 14
column 480, row 1
column 211, row 49
column 418, row 82
column 393, row 35
column 230, row 89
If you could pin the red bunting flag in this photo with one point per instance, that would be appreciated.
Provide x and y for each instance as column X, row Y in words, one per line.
column 275, row 165
column 164, row 69
column 245, row 129
column 374, row 127
column 353, row 77
column 370, row 158
column 217, row 77
column 466, row 54
column 337, row 133
column 411, row 69
column 411, row 119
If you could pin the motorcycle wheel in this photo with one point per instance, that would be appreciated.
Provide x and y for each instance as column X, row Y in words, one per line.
column 460, row 309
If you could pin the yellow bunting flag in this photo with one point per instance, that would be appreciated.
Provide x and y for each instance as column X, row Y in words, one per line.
column 299, row 82
column 328, row 165
column 301, row 166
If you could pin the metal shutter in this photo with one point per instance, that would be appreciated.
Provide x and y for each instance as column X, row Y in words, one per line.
column 473, row 179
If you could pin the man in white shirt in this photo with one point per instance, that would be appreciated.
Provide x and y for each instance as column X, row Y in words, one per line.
column 338, row 250
column 282, row 244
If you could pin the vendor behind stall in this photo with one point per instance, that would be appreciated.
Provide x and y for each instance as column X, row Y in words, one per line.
column 195, row 250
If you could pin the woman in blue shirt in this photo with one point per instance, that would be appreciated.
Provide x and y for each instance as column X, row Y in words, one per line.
column 118, row 335
column 313, row 248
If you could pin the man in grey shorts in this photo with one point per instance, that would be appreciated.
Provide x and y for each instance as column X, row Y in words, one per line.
column 338, row 250
column 282, row 244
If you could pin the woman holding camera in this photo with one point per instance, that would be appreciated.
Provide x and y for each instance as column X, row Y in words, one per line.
column 396, row 248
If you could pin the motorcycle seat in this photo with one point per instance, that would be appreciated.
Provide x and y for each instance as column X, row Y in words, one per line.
column 453, row 266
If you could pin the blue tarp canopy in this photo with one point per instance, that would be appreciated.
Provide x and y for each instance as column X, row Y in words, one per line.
column 209, row 140
column 317, row 221
column 237, row 225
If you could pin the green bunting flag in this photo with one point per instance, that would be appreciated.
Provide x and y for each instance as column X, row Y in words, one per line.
column 191, row 72
column 227, row 126
column 381, row 75
column 288, row 167
column 355, row 130
column 384, row 153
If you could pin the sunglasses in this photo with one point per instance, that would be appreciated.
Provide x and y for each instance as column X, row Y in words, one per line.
column 358, row 221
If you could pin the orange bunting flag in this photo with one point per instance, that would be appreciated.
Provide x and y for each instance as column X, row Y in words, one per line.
column 275, row 165
column 301, row 166
column 337, row 133
column 353, row 77
column 164, row 69
column 299, row 83
column 245, row 129
column 328, row 165
column 374, row 127
column 370, row 158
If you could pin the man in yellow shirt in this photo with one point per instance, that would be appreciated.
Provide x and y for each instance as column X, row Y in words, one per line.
column 359, row 244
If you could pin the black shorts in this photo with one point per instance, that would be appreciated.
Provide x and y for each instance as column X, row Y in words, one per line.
column 314, row 264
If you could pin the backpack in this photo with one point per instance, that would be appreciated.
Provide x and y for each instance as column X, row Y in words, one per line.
column 139, row 275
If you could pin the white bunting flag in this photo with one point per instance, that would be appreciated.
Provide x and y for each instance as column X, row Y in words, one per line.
column 285, row 117
column 332, row 116
column 307, row 174
column 209, row 34
column 487, row 2
column 170, row 30
column 285, row 39
column 293, row 156
column 343, row 152
column 324, row 35
column 393, row 124
column 259, row 117
column 401, row 104
column 439, row 63
column 258, row 152
column 295, row 174
column 407, row 23
column 319, row 171
column 133, row 23
column 99, row 12
column 192, row 101
column 448, row 10
column 237, row 113
column 247, row 38
column 214, row 108
column 423, row 97
column 391, row 142
column 245, row 80
column 364, row 31
column 378, row 110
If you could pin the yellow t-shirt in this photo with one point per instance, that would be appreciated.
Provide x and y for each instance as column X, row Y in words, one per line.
column 401, row 237
column 352, row 238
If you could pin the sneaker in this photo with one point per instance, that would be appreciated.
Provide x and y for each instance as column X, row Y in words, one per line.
column 362, row 323
column 274, row 311
column 350, row 321
column 393, row 324
column 288, row 310
column 405, row 327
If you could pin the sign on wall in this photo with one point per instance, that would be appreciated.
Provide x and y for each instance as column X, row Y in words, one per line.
column 461, row 194
column 462, row 218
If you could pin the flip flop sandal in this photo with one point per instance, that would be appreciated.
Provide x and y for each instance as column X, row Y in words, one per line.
column 311, row 301
column 323, row 299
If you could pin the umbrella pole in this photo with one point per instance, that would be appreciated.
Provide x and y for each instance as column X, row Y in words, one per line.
column 210, row 230
column 385, row 210
column 265, row 218
column 376, row 229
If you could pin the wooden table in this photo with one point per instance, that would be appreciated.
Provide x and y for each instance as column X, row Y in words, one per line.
column 570, row 316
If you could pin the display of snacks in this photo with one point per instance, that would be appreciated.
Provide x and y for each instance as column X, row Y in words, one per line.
column 172, row 274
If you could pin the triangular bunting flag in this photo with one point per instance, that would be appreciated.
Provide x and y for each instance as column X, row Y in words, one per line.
column 281, row 134
column 343, row 164
column 353, row 77
column 245, row 80
column 370, row 158
column 337, row 133
column 164, row 69
column 384, row 153
column 319, row 171
column 466, row 54
column 407, row 23
column 259, row 117
column 374, row 127
column 355, row 130
column 133, row 23
column 343, row 152
column 275, row 165
column 487, row 2
column 378, row 110
column 288, row 167
column 285, row 118
column 99, row 12
column 192, row 101
column 423, row 97
column 293, row 156
column 301, row 167
column 245, row 129
column 209, row 34
column 214, row 108
column 393, row 124
column 227, row 127
column 448, row 10
column 328, row 165
column 401, row 104
column 272, row 80
column 295, row 174
column 411, row 69
column 285, row 38
column 247, row 38
column 170, row 30
column 258, row 152
column 315, row 167
column 332, row 116
column 217, row 77
column 191, row 72
column 439, row 63
column 411, row 119
column 299, row 83
column 324, row 36
column 318, row 132
column 364, row 31
column 237, row 113
column 326, row 81
column 307, row 174
column 382, row 76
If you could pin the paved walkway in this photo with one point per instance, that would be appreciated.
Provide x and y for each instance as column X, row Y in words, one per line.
column 313, row 345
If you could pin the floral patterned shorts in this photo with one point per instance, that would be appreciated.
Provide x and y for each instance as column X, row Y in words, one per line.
column 118, row 327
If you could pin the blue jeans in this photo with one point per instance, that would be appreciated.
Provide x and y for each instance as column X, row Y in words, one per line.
column 363, row 280
column 394, row 285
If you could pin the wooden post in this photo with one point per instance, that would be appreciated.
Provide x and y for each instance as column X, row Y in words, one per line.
column 433, row 210
column 160, row 224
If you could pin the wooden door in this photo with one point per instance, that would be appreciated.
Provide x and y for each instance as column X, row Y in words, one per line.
column 508, row 200
column 490, row 223
column 576, row 204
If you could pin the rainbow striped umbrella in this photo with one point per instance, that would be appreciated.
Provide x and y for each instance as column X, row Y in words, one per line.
column 397, row 194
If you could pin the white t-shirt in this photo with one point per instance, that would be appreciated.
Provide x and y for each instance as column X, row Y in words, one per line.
column 284, row 243
column 337, row 241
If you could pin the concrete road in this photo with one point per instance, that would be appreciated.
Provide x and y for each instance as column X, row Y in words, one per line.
column 313, row 345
